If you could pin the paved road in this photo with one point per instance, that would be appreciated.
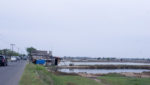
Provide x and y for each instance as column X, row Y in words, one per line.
column 11, row 74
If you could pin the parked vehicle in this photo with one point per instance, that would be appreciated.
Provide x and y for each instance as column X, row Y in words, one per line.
column 24, row 58
column 13, row 58
column 3, row 61
column 18, row 58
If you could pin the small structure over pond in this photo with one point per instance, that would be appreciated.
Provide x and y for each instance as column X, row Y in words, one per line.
column 44, row 58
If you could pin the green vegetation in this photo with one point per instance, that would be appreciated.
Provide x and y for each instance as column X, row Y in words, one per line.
column 73, row 80
column 116, row 79
column 113, row 75
column 30, row 49
column 31, row 77
column 8, row 52
column 38, row 75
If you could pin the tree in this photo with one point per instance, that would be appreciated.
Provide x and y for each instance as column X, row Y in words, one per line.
column 8, row 52
column 29, row 50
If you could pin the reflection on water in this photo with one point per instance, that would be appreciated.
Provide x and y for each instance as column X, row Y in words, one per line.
column 94, row 71
column 101, row 63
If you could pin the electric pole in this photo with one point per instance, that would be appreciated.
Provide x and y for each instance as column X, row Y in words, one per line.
column 18, row 50
column 12, row 48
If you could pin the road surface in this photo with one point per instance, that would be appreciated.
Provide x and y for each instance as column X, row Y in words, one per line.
column 11, row 74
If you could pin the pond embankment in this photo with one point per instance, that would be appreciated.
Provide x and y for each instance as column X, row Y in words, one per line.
column 105, row 67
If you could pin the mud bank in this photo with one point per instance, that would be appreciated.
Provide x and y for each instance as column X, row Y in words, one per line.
column 106, row 67
column 123, row 74
column 138, row 75
column 91, row 75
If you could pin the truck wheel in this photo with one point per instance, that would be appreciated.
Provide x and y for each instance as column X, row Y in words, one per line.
column 3, row 64
column 6, row 64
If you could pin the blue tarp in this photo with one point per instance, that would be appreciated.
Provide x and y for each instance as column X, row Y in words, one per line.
column 40, row 61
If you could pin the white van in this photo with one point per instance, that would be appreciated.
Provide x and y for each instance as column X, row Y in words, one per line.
column 13, row 58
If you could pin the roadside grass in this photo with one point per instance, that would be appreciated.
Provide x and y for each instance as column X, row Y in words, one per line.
column 38, row 75
column 115, row 79
column 33, row 76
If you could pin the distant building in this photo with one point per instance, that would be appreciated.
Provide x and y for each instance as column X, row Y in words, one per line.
column 38, row 54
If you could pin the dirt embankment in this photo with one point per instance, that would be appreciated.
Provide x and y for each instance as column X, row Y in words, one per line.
column 127, row 74
column 139, row 75
column 106, row 67
column 90, row 75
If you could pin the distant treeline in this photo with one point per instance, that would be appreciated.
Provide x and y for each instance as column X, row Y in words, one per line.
column 8, row 52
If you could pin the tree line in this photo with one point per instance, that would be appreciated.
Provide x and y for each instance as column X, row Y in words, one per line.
column 8, row 52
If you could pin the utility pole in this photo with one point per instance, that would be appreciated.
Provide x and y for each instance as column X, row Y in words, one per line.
column 18, row 50
column 12, row 48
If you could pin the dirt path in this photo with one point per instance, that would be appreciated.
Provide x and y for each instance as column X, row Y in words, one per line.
column 98, row 81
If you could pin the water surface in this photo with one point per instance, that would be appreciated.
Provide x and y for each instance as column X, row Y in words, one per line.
column 95, row 71
column 101, row 63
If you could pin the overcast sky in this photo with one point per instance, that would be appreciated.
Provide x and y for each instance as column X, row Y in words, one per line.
column 96, row 28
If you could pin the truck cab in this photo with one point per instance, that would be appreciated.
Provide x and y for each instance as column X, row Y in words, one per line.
column 3, row 60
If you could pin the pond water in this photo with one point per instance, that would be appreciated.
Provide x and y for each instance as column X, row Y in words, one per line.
column 105, row 71
column 101, row 63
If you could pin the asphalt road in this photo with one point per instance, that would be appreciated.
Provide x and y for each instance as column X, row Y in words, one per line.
column 11, row 74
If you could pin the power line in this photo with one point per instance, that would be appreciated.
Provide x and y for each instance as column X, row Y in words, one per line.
column 9, row 43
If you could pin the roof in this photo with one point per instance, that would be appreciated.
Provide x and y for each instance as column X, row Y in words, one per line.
column 40, row 53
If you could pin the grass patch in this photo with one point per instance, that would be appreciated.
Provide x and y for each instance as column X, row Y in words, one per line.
column 38, row 75
column 34, row 75
column 113, row 79
column 113, row 75
column 73, row 80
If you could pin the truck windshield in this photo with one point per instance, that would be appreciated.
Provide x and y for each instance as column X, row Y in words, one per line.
column 1, row 57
